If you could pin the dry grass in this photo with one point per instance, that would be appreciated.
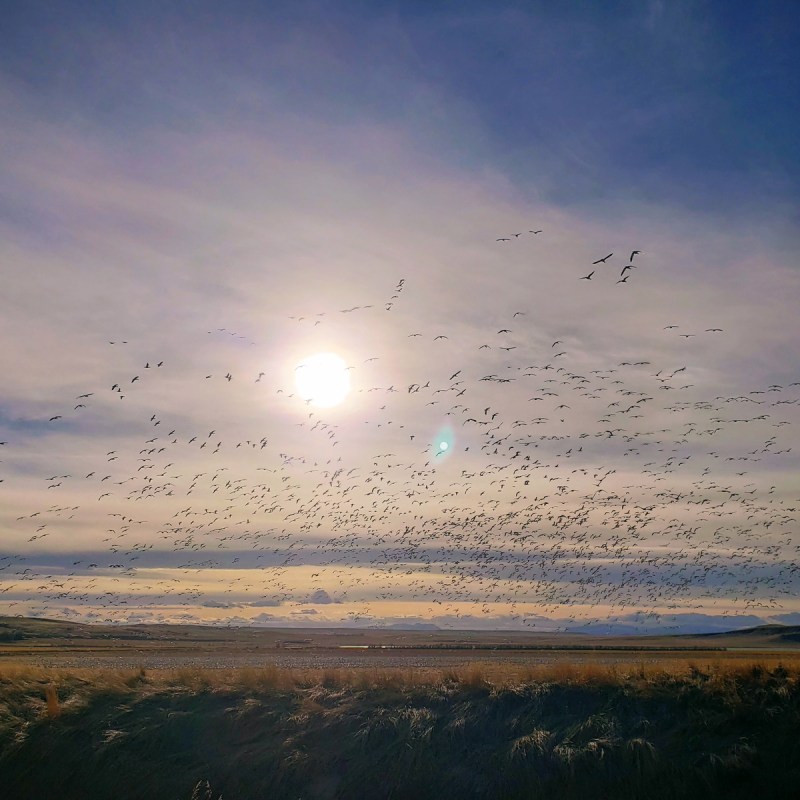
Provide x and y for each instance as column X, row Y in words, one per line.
column 483, row 675
column 657, row 729
column 51, row 698
column 30, row 692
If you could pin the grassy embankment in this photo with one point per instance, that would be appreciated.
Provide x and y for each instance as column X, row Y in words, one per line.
column 669, row 730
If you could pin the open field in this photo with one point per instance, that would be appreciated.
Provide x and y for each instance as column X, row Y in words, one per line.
column 180, row 712
column 62, row 644
column 662, row 730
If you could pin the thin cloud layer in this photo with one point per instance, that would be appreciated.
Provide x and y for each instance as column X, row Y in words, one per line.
column 620, row 445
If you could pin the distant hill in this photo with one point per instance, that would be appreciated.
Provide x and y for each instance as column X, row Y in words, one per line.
column 684, row 624
column 769, row 636
column 16, row 628
column 764, row 633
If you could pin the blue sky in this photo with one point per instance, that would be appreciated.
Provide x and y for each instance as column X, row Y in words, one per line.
column 228, row 189
column 660, row 102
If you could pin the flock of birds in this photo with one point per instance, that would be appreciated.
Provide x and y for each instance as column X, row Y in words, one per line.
column 623, row 276
column 512, row 483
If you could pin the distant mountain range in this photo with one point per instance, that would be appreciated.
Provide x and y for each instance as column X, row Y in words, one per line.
column 680, row 624
column 16, row 629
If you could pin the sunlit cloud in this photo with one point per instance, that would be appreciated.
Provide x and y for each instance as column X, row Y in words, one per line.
column 501, row 443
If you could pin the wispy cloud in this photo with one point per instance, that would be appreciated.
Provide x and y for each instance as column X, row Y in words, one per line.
column 223, row 199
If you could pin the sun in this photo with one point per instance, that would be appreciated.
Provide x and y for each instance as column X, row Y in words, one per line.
column 323, row 379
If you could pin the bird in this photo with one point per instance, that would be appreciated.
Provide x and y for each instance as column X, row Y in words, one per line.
column 634, row 253
column 602, row 260
column 564, row 536
column 588, row 277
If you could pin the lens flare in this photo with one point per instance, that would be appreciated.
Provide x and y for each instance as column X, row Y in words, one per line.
column 443, row 442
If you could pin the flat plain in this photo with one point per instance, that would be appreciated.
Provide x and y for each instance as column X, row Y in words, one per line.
column 192, row 712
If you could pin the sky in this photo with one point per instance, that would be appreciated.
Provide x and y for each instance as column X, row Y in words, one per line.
column 544, row 429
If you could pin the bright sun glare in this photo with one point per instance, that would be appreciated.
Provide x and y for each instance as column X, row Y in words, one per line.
column 323, row 379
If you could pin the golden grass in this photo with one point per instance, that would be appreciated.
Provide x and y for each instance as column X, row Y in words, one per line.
column 20, row 677
column 568, row 723
column 51, row 698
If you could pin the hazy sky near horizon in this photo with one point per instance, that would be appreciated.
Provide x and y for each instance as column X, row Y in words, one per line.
column 229, row 189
